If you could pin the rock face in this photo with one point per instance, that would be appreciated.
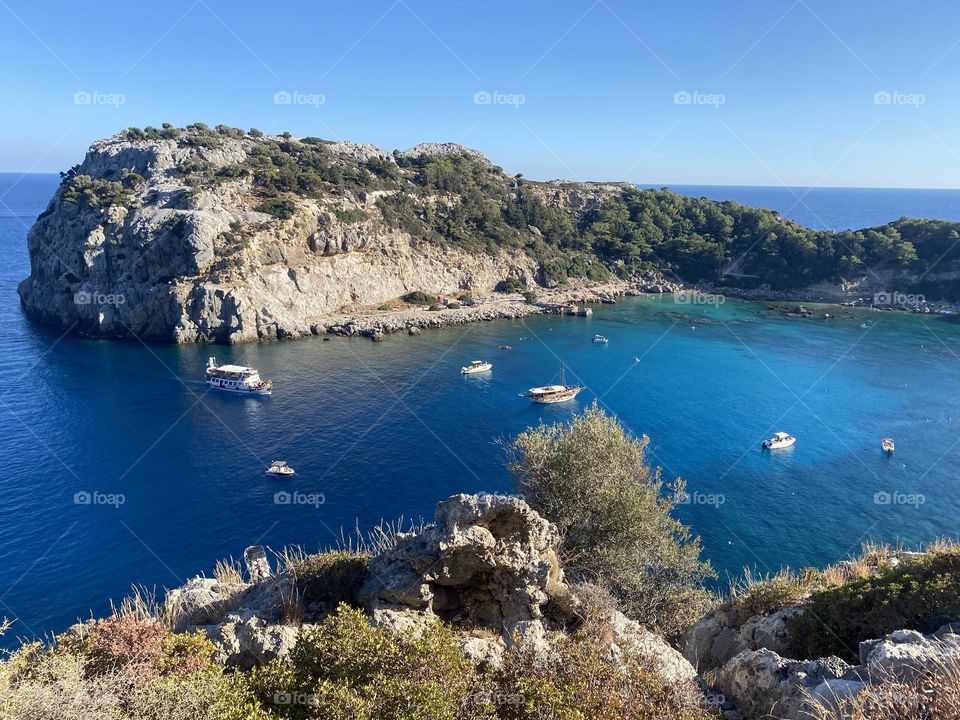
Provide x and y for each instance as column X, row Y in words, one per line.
column 178, row 249
column 489, row 558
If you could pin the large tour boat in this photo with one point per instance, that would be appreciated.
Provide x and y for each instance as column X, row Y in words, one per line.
column 237, row 379
column 549, row 394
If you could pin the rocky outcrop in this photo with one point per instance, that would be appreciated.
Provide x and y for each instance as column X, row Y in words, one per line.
column 488, row 565
column 164, row 238
column 763, row 684
column 489, row 559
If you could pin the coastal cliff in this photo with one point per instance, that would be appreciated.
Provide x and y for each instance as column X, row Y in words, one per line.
column 202, row 234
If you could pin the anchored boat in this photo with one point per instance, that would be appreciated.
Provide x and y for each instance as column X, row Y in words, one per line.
column 549, row 394
column 237, row 379
column 887, row 445
column 779, row 440
column 280, row 468
column 600, row 339
column 477, row 366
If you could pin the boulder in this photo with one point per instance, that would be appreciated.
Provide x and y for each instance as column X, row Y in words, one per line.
column 907, row 654
column 490, row 559
column 245, row 641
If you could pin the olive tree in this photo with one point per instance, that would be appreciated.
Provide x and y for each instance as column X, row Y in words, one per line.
column 590, row 477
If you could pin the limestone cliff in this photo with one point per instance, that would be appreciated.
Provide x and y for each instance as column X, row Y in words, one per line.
column 170, row 237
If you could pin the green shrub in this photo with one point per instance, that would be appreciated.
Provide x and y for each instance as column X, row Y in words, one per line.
column 85, row 191
column 353, row 669
column 530, row 297
column 453, row 306
column 920, row 594
column 282, row 209
column 419, row 297
column 330, row 577
column 350, row 216
column 511, row 285
column 613, row 510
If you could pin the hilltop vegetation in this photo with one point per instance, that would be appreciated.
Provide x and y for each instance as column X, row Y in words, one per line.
column 457, row 198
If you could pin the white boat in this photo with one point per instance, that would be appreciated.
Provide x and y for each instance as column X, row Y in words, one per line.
column 280, row 468
column 600, row 339
column 237, row 379
column 477, row 366
column 779, row 440
column 887, row 445
column 549, row 394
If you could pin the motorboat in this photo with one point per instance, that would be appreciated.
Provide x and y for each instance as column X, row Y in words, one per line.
column 477, row 366
column 280, row 469
column 887, row 445
column 506, row 347
column 600, row 339
column 237, row 379
column 550, row 394
column 778, row 441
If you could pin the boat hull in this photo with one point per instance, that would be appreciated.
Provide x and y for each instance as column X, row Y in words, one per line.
column 239, row 391
column 564, row 396
column 779, row 445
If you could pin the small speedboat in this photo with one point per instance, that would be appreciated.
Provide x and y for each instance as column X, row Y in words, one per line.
column 779, row 440
column 600, row 339
column 506, row 347
column 280, row 469
column 887, row 445
column 477, row 366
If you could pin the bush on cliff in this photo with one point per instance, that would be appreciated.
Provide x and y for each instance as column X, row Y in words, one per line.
column 921, row 594
column 331, row 577
column 591, row 478
column 344, row 668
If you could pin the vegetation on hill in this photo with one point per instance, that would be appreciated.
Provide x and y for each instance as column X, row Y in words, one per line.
column 461, row 200
column 341, row 669
column 591, row 478
column 921, row 593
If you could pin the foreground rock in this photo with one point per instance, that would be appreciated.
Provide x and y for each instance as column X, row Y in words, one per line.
column 489, row 565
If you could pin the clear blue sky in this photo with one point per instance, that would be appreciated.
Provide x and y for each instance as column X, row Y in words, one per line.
column 777, row 91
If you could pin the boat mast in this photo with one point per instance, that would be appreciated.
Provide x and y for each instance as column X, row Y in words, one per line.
column 563, row 380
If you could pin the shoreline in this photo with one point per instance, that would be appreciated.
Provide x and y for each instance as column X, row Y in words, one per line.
column 376, row 323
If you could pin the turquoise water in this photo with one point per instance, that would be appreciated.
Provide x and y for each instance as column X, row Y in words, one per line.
column 379, row 430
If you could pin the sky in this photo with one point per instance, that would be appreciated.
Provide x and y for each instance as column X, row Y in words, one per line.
column 860, row 93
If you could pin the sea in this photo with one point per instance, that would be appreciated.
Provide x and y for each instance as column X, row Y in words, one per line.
column 122, row 469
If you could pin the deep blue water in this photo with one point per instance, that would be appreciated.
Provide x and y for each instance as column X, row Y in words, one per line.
column 387, row 429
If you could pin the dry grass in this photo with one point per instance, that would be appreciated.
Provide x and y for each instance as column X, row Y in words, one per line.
column 229, row 572
column 293, row 610
column 932, row 695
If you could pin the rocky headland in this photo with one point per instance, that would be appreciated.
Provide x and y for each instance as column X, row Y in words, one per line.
column 202, row 234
